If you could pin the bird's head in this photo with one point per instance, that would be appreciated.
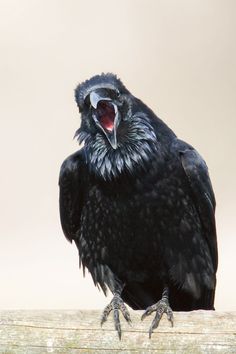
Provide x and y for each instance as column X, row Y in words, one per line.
column 116, row 132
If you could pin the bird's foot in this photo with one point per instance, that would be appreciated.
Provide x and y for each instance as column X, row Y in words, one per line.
column 116, row 305
column 160, row 307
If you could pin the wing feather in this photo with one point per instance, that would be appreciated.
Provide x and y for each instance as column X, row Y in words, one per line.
column 71, row 194
column 202, row 193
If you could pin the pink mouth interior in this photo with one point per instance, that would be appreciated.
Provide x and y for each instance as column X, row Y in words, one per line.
column 106, row 115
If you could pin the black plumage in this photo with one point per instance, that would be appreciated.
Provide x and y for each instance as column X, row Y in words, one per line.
column 139, row 205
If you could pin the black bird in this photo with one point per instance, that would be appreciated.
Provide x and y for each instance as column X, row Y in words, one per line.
column 139, row 205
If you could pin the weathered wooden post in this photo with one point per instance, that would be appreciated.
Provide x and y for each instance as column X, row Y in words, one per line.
column 72, row 331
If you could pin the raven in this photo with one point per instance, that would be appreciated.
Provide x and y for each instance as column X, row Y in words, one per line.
column 139, row 205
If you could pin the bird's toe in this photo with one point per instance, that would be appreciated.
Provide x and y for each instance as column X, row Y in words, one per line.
column 160, row 308
column 116, row 305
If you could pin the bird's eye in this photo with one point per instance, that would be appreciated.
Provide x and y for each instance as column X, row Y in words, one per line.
column 118, row 94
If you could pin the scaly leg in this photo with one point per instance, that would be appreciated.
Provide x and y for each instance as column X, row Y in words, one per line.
column 160, row 307
column 116, row 305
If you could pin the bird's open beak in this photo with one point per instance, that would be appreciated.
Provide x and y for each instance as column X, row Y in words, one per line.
column 106, row 116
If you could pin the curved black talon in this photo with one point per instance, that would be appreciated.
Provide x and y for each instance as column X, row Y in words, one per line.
column 116, row 305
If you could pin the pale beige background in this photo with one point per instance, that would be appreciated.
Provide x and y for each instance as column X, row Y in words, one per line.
column 178, row 56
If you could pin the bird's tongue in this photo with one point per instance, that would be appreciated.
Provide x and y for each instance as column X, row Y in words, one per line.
column 107, row 122
column 106, row 115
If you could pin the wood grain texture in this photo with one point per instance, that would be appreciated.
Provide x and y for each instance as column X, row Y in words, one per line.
column 71, row 331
